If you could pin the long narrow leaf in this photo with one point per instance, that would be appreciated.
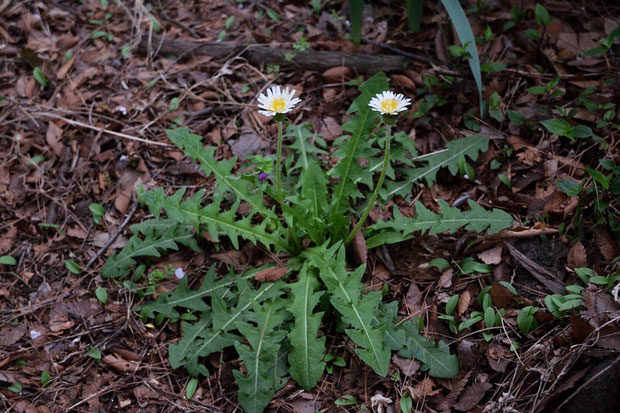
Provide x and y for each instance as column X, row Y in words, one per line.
column 356, row 6
column 463, row 30
column 414, row 14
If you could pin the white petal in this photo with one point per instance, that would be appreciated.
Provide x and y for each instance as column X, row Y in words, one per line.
column 266, row 113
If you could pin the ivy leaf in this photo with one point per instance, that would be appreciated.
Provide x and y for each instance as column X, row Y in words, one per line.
column 356, row 309
column 353, row 147
column 436, row 356
column 456, row 150
column 159, row 235
column 222, row 169
column 307, row 351
column 258, row 385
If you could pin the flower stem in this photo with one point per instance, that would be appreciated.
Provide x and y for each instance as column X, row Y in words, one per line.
column 375, row 194
column 279, row 163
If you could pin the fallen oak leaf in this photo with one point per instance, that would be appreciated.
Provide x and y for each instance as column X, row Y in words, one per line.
column 423, row 389
column 270, row 274
column 577, row 256
column 471, row 396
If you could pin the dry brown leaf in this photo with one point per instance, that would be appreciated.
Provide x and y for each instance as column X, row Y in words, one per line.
column 53, row 138
column 423, row 389
column 606, row 244
column 360, row 249
column 337, row 74
column 330, row 129
column 404, row 81
column 463, row 303
column 271, row 274
column 445, row 280
column 502, row 296
column 471, row 396
column 408, row 367
column 413, row 300
column 491, row 256
column 577, row 256
column 119, row 364
column 11, row 335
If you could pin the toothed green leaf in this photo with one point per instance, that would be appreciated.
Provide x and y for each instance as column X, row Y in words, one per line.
column 357, row 310
column 211, row 218
column 259, row 384
column 151, row 239
column 436, row 356
column 306, row 143
column 305, row 358
column 400, row 228
column 222, row 169
column 457, row 149
column 353, row 147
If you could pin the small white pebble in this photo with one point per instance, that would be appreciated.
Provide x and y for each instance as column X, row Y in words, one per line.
column 37, row 16
column 123, row 157
column 179, row 273
column 34, row 334
column 466, row 176
column 121, row 109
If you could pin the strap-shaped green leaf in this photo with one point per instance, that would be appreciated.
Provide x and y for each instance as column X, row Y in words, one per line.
column 157, row 235
column 306, row 143
column 258, row 385
column 305, row 357
column 211, row 218
column 191, row 145
column 356, row 309
column 469, row 146
column 354, row 147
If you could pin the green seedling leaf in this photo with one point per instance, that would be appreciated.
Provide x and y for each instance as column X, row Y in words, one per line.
column 451, row 304
column 559, row 127
column 102, row 295
column 542, row 15
column 45, row 378
column 40, row 77
column 440, row 263
column 8, row 260
column 191, row 388
column 73, row 267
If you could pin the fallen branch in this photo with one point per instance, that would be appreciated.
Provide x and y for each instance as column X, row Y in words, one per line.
column 260, row 54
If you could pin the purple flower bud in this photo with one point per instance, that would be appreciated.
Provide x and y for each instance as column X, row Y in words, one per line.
column 263, row 176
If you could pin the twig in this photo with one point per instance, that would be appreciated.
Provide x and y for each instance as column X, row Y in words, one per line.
column 397, row 51
column 86, row 125
column 115, row 236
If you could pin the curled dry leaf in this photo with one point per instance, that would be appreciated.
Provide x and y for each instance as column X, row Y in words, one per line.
column 270, row 274
column 502, row 296
column 445, row 281
column 463, row 303
column 577, row 256
column 119, row 364
column 360, row 249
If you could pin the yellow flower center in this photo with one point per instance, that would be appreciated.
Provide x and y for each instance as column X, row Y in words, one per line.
column 389, row 105
column 278, row 105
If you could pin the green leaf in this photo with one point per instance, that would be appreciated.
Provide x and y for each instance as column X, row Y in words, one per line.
column 191, row 388
column 489, row 317
column 436, row 356
column 7, row 260
column 101, row 294
column 356, row 8
column 274, row 15
column 40, row 77
column 73, row 267
column 542, row 15
column 451, row 304
column 559, row 127
column 466, row 36
column 307, row 351
column 222, row 170
column 210, row 217
column 93, row 352
column 15, row 387
column 150, row 239
column 98, row 34
column 569, row 187
column 350, row 149
column 414, row 14
column 440, row 263
column 476, row 219
column 469, row 146
column 306, row 143
column 258, row 385
column 406, row 404
column 45, row 378
column 174, row 104
column 357, row 310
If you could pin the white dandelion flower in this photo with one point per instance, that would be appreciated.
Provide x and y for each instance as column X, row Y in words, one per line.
column 389, row 103
column 277, row 101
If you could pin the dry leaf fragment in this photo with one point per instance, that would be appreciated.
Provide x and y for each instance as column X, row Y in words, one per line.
column 270, row 274
column 471, row 396
column 502, row 296
column 423, row 389
column 119, row 364
column 360, row 249
column 53, row 138
column 577, row 257
column 491, row 256
column 408, row 367
column 337, row 74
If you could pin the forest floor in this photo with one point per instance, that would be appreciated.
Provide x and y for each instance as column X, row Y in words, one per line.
column 87, row 98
